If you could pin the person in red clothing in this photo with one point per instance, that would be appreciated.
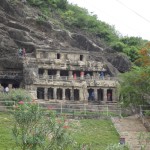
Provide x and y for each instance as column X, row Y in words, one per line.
column 109, row 97
column 23, row 52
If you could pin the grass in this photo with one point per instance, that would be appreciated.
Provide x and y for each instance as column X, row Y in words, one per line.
column 97, row 133
column 6, row 138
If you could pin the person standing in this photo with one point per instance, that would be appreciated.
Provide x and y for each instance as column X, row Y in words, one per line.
column 6, row 89
column 23, row 52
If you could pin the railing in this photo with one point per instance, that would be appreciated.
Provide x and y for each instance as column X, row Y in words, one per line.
column 145, row 115
column 88, row 78
column 71, row 110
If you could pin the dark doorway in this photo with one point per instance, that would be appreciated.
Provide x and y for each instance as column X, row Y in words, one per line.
column 67, row 94
column 51, row 72
column 81, row 57
column 100, row 94
column 16, row 85
column 91, row 95
column 58, row 56
column 4, row 85
column 40, row 93
column 76, row 95
column 40, row 72
column 109, row 95
column 50, row 93
column 59, row 94
column 64, row 73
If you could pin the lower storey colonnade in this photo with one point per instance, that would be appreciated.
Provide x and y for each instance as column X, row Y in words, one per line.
column 76, row 94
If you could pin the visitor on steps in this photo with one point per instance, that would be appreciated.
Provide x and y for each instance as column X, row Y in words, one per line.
column 23, row 52
column 20, row 52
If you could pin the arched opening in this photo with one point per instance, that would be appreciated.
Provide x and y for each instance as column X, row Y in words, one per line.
column 40, row 93
column 91, row 95
column 50, row 93
column 76, row 94
column 59, row 94
column 109, row 95
column 67, row 94
column 100, row 94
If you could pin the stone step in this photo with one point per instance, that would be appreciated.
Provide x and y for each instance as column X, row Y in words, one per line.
column 130, row 128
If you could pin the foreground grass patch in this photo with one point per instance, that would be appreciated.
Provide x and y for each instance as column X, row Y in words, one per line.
column 6, row 138
column 97, row 133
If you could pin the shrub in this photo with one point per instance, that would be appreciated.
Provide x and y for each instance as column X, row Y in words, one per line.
column 14, row 96
column 35, row 128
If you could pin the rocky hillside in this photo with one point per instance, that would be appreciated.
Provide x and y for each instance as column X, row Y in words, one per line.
column 20, row 27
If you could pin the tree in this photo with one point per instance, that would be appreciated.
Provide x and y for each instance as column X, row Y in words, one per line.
column 135, row 84
column 144, row 53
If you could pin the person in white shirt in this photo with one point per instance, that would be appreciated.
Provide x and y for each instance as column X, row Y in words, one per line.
column 6, row 89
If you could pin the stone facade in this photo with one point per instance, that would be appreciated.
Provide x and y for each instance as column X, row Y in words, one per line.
column 54, row 75
column 70, row 76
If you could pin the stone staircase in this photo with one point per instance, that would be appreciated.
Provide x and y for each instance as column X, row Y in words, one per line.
column 134, row 132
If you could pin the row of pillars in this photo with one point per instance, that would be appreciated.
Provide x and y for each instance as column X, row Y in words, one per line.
column 70, row 74
column 77, row 94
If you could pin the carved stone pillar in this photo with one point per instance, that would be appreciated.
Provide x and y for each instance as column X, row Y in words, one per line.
column 63, row 94
column 95, row 94
column 10, row 86
column 45, row 93
column 105, row 95
column 81, row 98
column 82, row 75
column 58, row 74
column 55, row 93
column 70, row 75
column 72, row 94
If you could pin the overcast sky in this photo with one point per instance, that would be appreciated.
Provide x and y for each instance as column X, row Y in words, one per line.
column 130, row 17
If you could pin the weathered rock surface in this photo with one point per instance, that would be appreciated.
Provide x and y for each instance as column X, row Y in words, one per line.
column 20, row 27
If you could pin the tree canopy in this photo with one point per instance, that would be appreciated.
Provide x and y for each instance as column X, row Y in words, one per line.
column 135, row 84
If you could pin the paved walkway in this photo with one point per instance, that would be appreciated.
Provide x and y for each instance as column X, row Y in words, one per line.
column 134, row 132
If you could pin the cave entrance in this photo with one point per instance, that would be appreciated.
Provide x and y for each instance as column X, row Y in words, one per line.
column 10, row 83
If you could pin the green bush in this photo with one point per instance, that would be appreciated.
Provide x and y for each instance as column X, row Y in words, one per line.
column 34, row 130
column 14, row 96
column 117, row 147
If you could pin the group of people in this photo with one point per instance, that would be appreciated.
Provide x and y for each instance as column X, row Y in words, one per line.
column 22, row 52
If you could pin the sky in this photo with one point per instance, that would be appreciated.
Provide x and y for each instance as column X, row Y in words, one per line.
column 129, row 17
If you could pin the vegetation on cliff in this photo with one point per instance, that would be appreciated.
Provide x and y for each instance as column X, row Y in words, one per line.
column 78, row 19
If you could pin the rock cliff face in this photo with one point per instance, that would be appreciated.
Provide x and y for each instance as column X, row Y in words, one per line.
column 20, row 27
